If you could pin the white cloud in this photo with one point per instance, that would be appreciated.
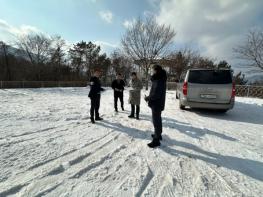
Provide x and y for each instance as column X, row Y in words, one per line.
column 9, row 32
column 147, row 13
column 106, row 16
column 129, row 23
column 106, row 47
column 106, row 44
column 215, row 26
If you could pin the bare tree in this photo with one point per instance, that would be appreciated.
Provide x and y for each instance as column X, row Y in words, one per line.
column 57, row 53
column 252, row 49
column 120, row 64
column 36, row 47
column 4, row 51
column 179, row 61
column 145, row 41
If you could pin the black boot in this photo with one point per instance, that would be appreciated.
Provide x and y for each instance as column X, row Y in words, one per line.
column 155, row 143
column 98, row 119
column 137, row 112
column 132, row 111
column 160, row 138
column 92, row 120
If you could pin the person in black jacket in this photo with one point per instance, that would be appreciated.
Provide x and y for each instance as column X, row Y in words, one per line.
column 156, row 101
column 94, row 95
column 118, row 86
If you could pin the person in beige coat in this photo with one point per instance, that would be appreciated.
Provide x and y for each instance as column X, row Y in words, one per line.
column 135, row 96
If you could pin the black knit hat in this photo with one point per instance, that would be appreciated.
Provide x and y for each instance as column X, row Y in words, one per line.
column 157, row 67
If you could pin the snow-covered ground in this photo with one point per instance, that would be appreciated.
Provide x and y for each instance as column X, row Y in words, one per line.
column 49, row 148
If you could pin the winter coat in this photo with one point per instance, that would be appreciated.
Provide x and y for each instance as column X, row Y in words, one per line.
column 135, row 92
column 156, row 99
column 95, row 87
column 118, row 86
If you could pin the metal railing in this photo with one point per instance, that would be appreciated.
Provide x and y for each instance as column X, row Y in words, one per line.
column 249, row 91
column 241, row 90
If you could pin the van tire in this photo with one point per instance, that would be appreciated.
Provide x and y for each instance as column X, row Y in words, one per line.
column 182, row 107
column 222, row 111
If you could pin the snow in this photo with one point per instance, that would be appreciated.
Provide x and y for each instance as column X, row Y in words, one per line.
column 49, row 148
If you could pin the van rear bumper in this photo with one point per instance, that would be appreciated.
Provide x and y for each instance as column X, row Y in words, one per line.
column 192, row 104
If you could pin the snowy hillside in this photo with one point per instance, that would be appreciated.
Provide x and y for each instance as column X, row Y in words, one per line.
column 49, row 148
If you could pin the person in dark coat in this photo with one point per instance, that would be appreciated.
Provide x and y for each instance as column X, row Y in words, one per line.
column 94, row 95
column 118, row 86
column 156, row 101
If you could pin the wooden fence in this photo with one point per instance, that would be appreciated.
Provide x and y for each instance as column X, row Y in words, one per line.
column 242, row 91
column 41, row 84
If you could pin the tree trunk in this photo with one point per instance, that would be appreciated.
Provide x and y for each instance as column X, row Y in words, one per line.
column 8, row 72
column 147, row 78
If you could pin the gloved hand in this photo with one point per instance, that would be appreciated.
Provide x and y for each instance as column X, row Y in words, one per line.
column 146, row 98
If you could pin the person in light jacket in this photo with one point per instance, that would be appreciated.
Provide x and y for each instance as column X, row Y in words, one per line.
column 135, row 96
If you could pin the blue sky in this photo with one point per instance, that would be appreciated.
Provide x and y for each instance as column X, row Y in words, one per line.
column 75, row 20
column 214, row 27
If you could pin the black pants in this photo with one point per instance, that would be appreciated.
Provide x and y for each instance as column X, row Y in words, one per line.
column 157, row 123
column 118, row 95
column 137, row 110
column 95, row 106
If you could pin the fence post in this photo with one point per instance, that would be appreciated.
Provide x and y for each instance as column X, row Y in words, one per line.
column 248, row 90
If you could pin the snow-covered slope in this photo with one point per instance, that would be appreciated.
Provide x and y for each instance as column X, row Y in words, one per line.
column 49, row 148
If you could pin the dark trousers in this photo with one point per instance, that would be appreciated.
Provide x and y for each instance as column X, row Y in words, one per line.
column 118, row 95
column 95, row 106
column 157, row 123
column 137, row 110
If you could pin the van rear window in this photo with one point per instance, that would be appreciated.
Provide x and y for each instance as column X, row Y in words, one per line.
column 210, row 76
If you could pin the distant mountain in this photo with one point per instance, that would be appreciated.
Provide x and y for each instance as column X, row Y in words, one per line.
column 255, row 78
column 18, row 53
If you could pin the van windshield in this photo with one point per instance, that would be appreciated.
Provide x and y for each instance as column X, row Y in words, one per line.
column 210, row 76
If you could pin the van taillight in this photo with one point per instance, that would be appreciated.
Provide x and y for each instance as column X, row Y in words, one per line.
column 233, row 90
column 185, row 88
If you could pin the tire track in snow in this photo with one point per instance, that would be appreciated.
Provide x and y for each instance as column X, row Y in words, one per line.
column 76, row 171
column 14, row 142
column 146, row 181
column 104, row 172
column 113, row 182
column 206, row 177
column 35, row 172
column 161, row 178
column 35, row 135
column 97, row 163
column 69, row 152
column 225, row 183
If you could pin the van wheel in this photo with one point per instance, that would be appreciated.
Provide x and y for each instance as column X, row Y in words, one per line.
column 222, row 111
column 182, row 107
